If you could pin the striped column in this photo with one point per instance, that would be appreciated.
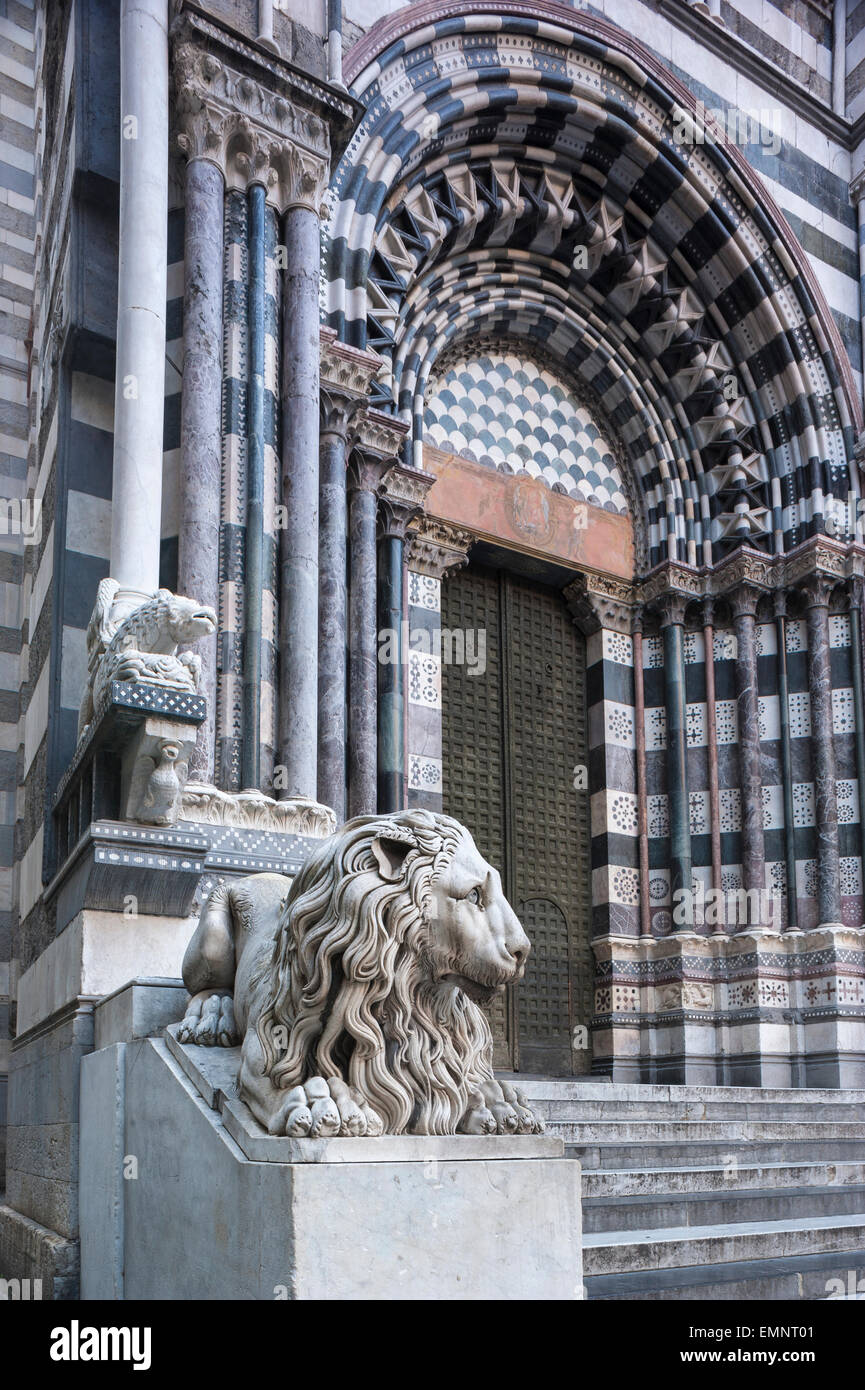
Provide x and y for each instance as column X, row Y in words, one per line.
column 712, row 749
column 817, row 592
column 786, row 762
column 743, row 601
column 672, row 613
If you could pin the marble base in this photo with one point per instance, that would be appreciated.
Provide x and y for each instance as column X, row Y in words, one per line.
column 415, row 1219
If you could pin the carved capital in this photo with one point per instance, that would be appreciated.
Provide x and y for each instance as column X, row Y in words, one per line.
column 670, row 608
column 437, row 548
column 596, row 601
column 251, row 131
column 379, row 436
column 817, row 590
column 673, row 578
column 743, row 600
column 401, row 498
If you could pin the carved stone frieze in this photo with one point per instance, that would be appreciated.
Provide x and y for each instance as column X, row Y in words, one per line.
column 597, row 601
column 252, row 810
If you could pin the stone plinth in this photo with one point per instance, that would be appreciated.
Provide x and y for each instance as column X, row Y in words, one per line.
column 389, row 1218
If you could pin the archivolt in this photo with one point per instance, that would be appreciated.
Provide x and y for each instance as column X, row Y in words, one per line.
column 520, row 173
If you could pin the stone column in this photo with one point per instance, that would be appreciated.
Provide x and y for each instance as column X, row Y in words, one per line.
column 298, row 707
column 346, row 373
column 817, row 591
column 642, row 794
column 712, row 742
column 379, row 438
column 400, row 500
column 786, row 761
column 744, row 602
column 200, row 421
column 672, row 610
column 141, row 291
column 857, row 595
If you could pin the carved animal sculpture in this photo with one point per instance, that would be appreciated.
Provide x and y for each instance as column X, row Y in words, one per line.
column 143, row 645
column 357, row 990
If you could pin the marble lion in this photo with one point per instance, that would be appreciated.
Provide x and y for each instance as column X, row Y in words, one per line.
column 356, row 989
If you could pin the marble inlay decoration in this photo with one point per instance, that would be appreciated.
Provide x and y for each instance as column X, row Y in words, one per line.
column 506, row 412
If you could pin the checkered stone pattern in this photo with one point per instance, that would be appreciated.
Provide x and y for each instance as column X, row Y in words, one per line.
column 455, row 214
column 504, row 411
column 613, row 783
column 424, row 693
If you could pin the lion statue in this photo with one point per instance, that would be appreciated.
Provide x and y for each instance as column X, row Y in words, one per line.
column 356, row 989
column 143, row 645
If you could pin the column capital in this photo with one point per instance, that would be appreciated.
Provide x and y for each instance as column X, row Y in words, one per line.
column 817, row 589
column 596, row 601
column 437, row 548
column 402, row 493
column 253, row 131
column 379, row 436
column 743, row 600
column 346, row 373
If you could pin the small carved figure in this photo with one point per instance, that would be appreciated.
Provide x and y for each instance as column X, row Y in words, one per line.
column 358, row 990
column 143, row 645
column 158, row 786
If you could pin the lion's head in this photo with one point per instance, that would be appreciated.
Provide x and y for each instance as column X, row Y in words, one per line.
column 393, row 933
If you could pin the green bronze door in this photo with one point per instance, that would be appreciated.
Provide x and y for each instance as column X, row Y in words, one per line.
column 512, row 737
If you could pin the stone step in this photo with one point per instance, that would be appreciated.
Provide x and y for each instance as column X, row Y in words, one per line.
column 703, row 1209
column 612, row 1183
column 676, row 1247
column 576, row 1110
column 789, row 1278
column 558, row 1088
column 609, row 1154
column 610, row 1132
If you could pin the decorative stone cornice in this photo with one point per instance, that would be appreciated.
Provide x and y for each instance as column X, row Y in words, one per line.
column 437, row 548
column 401, row 498
column 672, row 578
column 252, row 810
column 596, row 601
column 252, row 132
column 346, row 373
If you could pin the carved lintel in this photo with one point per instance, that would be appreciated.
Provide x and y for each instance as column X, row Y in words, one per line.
column 596, row 601
column 437, row 548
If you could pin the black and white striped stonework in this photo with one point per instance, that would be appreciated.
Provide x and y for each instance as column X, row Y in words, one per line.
column 468, row 201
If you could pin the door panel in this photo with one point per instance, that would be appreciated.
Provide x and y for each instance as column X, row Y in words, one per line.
column 511, row 739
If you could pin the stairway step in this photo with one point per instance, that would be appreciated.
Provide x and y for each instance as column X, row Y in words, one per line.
column 702, row 1154
column 547, row 1088
column 613, row 1183
column 620, row 1252
column 707, row 1131
column 735, row 1207
column 800, row 1278
column 577, row 1111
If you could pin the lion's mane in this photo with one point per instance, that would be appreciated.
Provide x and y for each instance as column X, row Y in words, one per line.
column 349, row 990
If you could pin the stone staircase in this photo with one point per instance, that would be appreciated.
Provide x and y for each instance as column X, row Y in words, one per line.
column 693, row 1192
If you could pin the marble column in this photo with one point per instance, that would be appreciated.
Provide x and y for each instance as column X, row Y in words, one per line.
column 672, row 611
column 200, row 425
column 336, row 413
column 743, row 601
column 298, row 706
column 857, row 596
column 136, row 509
column 250, row 774
column 786, row 762
column 642, row 796
column 400, row 502
column 712, row 742
column 817, row 591
column 365, row 474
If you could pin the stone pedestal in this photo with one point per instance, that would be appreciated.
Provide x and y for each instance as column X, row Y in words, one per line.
column 212, row 1207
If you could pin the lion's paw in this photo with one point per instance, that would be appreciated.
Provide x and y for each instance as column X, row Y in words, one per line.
column 529, row 1122
column 477, row 1119
column 209, row 1022
column 325, row 1109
